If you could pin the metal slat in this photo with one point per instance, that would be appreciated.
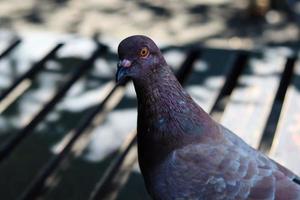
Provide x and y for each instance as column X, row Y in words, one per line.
column 84, row 182
column 231, row 81
column 11, row 47
column 270, row 128
column 113, row 178
column 38, row 183
column 246, row 105
column 211, row 75
column 22, row 83
column 286, row 144
column 186, row 67
column 9, row 146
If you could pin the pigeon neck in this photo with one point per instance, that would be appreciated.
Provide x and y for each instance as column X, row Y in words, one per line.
column 160, row 93
column 168, row 118
column 164, row 105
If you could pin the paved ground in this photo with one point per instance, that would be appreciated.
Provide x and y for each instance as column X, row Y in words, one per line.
column 215, row 22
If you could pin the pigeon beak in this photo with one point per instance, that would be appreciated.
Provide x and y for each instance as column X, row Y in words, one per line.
column 122, row 71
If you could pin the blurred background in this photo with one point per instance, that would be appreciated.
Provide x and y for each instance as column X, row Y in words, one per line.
column 229, row 23
column 54, row 101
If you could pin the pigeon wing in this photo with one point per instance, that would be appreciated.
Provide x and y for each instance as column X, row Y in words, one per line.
column 226, row 171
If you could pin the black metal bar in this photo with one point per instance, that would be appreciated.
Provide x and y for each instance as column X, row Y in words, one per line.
column 31, row 72
column 104, row 185
column 230, row 83
column 10, row 48
column 37, row 184
column 271, row 125
column 9, row 146
column 187, row 65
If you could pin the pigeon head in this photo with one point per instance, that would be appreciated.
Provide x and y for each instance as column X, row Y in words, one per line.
column 138, row 56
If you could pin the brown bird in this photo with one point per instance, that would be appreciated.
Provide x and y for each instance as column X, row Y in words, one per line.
column 183, row 153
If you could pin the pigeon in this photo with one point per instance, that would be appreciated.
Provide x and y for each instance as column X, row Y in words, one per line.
column 182, row 152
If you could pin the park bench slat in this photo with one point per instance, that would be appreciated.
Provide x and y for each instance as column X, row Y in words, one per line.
column 26, row 94
column 286, row 144
column 10, row 47
column 34, row 152
column 209, row 75
column 92, row 170
column 73, row 143
column 9, row 145
column 118, row 171
column 36, row 149
column 248, row 108
column 22, row 83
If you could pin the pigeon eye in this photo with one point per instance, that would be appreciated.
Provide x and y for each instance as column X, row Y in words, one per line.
column 144, row 52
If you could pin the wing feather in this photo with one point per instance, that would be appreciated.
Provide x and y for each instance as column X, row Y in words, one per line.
column 228, row 170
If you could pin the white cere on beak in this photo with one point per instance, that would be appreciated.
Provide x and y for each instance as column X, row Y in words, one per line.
column 124, row 63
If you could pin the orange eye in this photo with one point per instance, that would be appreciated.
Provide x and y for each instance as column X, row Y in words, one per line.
column 144, row 52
